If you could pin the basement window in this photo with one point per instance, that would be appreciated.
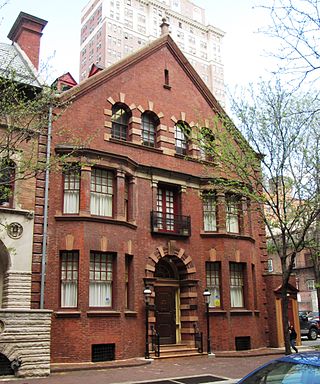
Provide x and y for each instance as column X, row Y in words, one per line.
column 103, row 352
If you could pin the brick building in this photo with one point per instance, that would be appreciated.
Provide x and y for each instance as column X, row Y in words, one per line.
column 133, row 210
column 24, row 328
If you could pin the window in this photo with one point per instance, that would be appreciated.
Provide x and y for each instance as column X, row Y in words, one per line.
column 237, row 285
column 100, row 289
column 69, row 279
column 213, row 283
column 128, row 280
column 101, row 197
column 7, row 177
column 71, row 190
column 209, row 211
column 180, row 131
column 149, row 125
column 206, row 144
column 232, row 213
column 167, row 206
column 311, row 285
column 120, row 119
column 270, row 265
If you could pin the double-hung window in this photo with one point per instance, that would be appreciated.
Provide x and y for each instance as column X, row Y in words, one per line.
column 71, row 190
column 149, row 125
column 120, row 120
column 69, row 279
column 237, row 285
column 101, row 197
column 209, row 212
column 100, row 289
column 180, row 137
column 213, row 283
column 232, row 213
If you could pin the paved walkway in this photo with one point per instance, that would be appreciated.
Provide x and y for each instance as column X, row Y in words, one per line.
column 231, row 365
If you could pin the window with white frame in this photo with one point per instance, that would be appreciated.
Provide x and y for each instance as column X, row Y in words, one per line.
column 237, row 285
column 149, row 125
column 120, row 120
column 101, row 196
column 213, row 271
column 71, row 190
column 180, row 137
column 270, row 265
column 100, row 288
column 232, row 213
column 209, row 211
column 311, row 285
column 69, row 269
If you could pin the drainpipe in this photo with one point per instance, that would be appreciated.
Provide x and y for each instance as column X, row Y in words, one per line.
column 45, row 213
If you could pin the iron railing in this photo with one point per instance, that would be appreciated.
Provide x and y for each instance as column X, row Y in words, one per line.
column 198, row 338
column 170, row 223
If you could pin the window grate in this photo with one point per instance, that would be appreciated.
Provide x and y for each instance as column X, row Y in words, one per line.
column 243, row 343
column 103, row 352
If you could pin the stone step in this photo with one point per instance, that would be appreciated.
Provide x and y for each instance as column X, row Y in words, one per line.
column 176, row 350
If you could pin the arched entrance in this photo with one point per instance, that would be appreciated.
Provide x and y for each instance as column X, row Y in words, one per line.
column 173, row 310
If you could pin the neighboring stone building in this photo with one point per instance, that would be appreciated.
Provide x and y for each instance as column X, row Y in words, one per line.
column 24, row 331
column 113, row 29
column 133, row 210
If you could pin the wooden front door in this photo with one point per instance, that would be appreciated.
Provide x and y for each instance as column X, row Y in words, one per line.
column 165, row 306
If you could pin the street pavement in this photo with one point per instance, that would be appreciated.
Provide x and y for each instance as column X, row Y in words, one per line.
column 189, row 370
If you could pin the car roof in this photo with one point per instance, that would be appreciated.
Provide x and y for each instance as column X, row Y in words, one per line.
column 311, row 358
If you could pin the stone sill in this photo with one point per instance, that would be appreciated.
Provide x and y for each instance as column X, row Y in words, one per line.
column 99, row 219
column 68, row 314
column 241, row 312
column 103, row 313
column 130, row 313
column 131, row 144
column 217, row 312
column 227, row 236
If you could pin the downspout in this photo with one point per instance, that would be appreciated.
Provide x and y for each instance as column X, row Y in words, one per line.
column 45, row 213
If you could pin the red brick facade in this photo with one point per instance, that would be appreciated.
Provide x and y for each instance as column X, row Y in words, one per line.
column 157, row 79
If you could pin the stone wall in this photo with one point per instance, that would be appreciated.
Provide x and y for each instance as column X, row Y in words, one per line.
column 25, row 335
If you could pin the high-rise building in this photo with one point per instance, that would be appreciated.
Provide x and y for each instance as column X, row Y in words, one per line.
column 113, row 29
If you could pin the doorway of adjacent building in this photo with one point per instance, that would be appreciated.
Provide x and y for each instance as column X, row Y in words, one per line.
column 165, row 310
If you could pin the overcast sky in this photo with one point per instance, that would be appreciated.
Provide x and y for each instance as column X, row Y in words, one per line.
column 243, row 48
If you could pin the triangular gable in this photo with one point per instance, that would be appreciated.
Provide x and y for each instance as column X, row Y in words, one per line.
column 95, row 68
column 291, row 289
column 64, row 82
column 129, row 61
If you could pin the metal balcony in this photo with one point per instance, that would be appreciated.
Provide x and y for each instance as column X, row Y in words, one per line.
column 170, row 224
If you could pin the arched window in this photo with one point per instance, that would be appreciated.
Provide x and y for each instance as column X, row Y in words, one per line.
column 7, row 176
column 206, row 144
column 149, row 125
column 181, row 132
column 120, row 120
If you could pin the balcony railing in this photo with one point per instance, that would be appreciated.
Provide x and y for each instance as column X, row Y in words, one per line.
column 169, row 223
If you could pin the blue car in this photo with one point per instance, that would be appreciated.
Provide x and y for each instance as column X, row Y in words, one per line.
column 300, row 368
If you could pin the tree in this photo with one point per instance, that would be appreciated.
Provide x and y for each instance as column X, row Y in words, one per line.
column 296, row 25
column 278, row 130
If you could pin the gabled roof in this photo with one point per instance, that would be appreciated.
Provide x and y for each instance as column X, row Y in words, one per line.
column 95, row 68
column 64, row 82
column 14, row 63
column 141, row 54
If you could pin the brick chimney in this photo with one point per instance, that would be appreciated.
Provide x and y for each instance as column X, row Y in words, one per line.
column 27, row 32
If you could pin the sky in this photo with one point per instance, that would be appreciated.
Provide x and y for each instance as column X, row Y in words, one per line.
column 242, row 46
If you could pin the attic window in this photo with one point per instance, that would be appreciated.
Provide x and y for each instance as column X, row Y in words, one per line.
column 166, row 84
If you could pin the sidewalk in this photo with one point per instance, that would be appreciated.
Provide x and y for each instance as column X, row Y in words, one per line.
column 232, row 365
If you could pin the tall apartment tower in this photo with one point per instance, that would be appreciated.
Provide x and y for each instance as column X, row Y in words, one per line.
column 113, row 29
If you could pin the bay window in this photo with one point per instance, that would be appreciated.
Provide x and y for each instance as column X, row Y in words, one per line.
column 101, row 197
column 213, row 283
column 69, row 270
column 100, row 289
column 232, row 213
column 237, row 285
column 209, row 212
column 71, row 190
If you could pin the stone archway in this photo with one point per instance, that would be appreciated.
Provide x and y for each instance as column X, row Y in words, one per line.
column 183, row 282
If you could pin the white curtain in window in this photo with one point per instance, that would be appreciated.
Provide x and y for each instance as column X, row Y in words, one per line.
column 69, row 293
column 210, row 222
column 100, row 294
column 236, row 294
column 71, row 202
column 232, row 217
column 101, row 204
